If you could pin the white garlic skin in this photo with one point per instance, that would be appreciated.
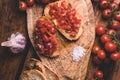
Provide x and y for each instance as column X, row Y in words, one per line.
column 16, row 42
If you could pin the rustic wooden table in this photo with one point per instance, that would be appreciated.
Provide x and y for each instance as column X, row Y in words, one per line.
column 12, row 20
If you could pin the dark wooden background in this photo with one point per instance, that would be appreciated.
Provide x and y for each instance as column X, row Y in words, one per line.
column 11, row 21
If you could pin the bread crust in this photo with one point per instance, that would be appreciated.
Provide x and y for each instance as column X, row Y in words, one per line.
column 32, row 74
column 38, row 70
column 63, row 32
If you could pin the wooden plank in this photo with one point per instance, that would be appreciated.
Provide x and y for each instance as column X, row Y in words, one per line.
column 11, row 20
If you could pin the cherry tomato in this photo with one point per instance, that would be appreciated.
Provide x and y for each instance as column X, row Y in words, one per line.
column 114, row 24
column 95, row 49
column 114, row 6
column 99, row 74
column 92, row 78
column 111, row 31
column 22, row 6
column 119, row 7
column 117, row 15
column 30, row 2
column 107, row 13
column 110, row 47
column 104, row 38
column 96, row 60
column 100, row 29
column 104, row 4
column 115, row 56
column 101, row 54
column 45, row 1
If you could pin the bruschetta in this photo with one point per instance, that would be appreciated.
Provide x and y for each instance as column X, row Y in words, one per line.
column 66, row 19
column 45, row 37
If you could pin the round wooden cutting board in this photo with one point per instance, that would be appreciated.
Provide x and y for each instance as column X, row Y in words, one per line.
column 64, row 66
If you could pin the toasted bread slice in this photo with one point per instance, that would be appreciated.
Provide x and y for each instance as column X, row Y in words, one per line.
column 54, row 37
column 32, row 75
column 34, row 66
column 62, row 31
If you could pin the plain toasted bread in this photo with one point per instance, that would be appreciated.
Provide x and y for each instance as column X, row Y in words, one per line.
column 50, row 75
column 63, row 32
column 38, row 71
column 32, row 75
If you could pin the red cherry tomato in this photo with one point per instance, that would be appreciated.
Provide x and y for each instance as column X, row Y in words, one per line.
column 100, row 29
column 114, row 6
column 99, row 74
column 114, row 24
column 117, row 15
column 22, row 6
column 104, row 4
column 30, row 2
column 95, row 49
column 119, row 7
column 107, row 13
column 101, row 54
column 45, row 1
column 104, row 38
column 96, row 60
column 111, row 31
column 115, row 56
column 110, row 47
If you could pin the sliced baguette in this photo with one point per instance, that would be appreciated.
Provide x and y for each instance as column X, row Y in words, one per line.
column 34, row 67
column 63, row 32
column 50, row 75
column 32, row 75
column 55, row 37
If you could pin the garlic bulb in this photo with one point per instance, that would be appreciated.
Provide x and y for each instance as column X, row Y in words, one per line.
column 16, row 42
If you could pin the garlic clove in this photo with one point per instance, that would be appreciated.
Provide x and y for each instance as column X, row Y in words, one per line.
column 10, row 44
column 6, row 43
column 12, row 35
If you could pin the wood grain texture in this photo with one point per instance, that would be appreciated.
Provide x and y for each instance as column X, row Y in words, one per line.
column 11, row 20
column 64, row 66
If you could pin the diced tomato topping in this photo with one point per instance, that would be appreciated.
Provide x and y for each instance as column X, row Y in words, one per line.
column 52, row 30
column 43, row 37
column 73, row 33
column 41, row 48
column 65, row 15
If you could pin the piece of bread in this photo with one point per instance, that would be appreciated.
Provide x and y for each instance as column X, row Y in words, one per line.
column 54, row 50
column 35, row 69
column 62, row 31
column 35, row 64
column 32, row 75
